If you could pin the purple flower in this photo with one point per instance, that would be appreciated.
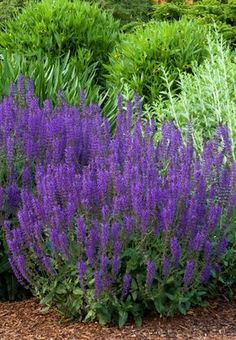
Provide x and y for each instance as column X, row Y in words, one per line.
column 104, row 263
column 175, row 250
column 81, row 230
column 151, row 272
column 81, row 268
column 222, row 246
column 1, row 197
column 188, row 273
column 165, row 266
column 115, row 265
column 197, row 243
column 64, row 245
column 206, row 273
column 127, row 279
column 26, row 177
column 21, row 265
column 104, row 235
column 208, row 247
column 46, row 261
column 13, row 193
column 98, row 283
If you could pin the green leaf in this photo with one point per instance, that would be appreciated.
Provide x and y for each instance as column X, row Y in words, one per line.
column 123, row 316
column 182, row 308
column 138, row 321
column 103, row 319
column 78, row 291
column 61, row 290
column 160, row 308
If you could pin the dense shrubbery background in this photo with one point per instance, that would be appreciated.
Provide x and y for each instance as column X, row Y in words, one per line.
column 182, row 73
column 212, row 13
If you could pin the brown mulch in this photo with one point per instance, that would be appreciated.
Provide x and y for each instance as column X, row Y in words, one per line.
column 25, row 320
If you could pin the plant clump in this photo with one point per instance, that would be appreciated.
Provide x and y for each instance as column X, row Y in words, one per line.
column 112, row 225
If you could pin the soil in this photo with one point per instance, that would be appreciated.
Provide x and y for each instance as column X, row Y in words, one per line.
column 25, row 320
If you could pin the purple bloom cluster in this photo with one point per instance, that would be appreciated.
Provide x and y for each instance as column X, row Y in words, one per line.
column 99, row 194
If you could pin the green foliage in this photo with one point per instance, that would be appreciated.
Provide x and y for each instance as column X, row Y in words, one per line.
column 138, row 61
column 207, row 99
column 205, row 12
column 57, row 27
column 67, row 74
column 126, row 10
column 167, row 296
column 9, row 8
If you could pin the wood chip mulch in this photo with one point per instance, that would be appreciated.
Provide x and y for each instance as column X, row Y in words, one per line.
column 25, row 320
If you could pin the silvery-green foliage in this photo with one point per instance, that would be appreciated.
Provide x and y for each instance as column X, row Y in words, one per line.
column 207, row 99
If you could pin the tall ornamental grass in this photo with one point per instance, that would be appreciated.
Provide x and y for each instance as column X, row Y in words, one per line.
column 117, row 224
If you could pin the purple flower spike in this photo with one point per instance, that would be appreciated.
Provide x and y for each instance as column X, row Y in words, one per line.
column 175, row 250
column 188, row 274
column 126, row 284
column 151, row 272
column 98, row 283
column 81, row 268
column 206, row 273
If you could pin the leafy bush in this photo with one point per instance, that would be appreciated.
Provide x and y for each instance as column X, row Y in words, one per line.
column 127, row 11
column 50, row 75
column 58, row 27
column 207, row 99
column 9, row 8
column 205, row 12
column 118, row 225
column 139, row 60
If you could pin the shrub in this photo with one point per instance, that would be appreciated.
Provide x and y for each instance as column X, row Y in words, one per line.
column 127, row 11
column 139, row 60
column 207, row 99
column 50, row 75
column 58, row 27
column 119, row 225
column 9, row 8
column 208, row 12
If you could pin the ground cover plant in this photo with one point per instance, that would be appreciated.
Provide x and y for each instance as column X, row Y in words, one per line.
column 117, row 223
column 140, row 59
column 207, row 12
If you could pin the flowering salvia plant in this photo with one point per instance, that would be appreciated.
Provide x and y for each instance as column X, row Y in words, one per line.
column 124, row 224
column 31, row 135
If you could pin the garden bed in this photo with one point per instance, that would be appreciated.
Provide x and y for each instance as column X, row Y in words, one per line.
column 25, row 320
